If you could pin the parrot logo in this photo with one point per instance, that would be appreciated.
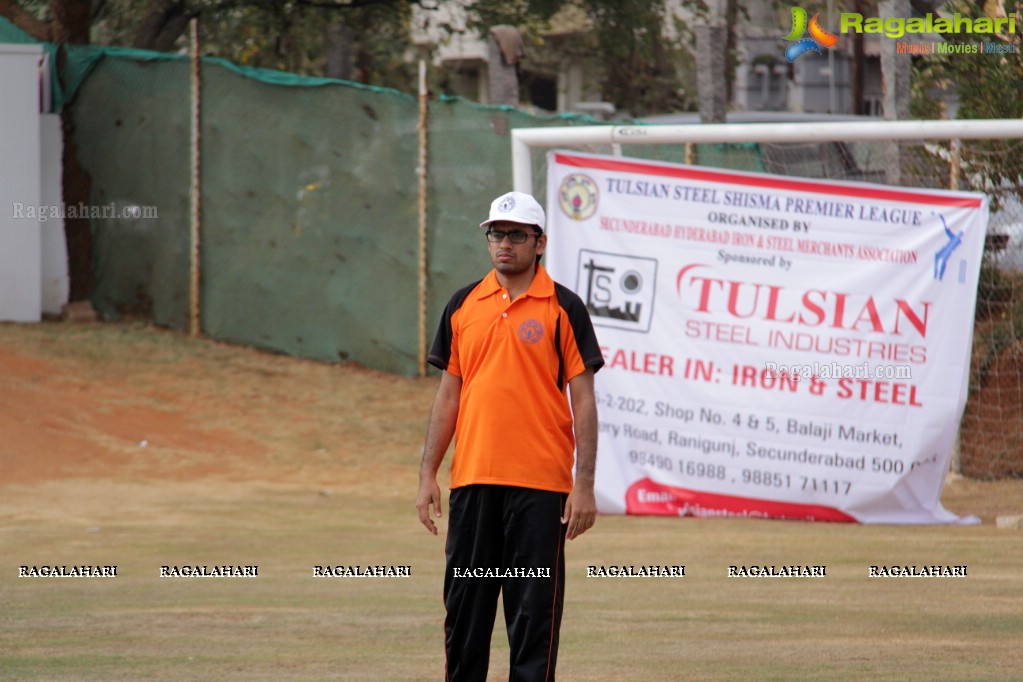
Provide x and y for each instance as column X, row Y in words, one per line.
column 942, row 256
column 819, row 37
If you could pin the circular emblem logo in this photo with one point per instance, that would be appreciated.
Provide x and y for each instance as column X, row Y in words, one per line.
column 531, row 331
column 507, row 204
column 577, row 196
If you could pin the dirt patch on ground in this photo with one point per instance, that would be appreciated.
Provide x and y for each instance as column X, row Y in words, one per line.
column 130, row 402
column 58, row 424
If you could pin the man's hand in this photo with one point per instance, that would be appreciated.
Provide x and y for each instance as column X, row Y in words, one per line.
column 429, row 495
column 443, row 418
column 581, row 507
column 580, row 511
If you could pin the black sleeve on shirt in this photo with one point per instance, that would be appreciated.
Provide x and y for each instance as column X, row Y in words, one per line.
column 582, row 327
column 440, row 354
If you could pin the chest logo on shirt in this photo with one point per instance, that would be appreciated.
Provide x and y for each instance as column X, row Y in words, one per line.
column 531, row 331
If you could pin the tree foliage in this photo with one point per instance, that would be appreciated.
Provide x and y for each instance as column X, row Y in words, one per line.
column 295, row 35
column 639, row 61
column 485, row 13
column 985, row 86
column 370, row 40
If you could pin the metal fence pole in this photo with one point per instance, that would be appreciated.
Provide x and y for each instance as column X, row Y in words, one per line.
column 955, row 169
column 421, row 171
column 195, row 266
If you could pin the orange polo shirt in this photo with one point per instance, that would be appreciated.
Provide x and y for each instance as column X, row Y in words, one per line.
column 515, row 359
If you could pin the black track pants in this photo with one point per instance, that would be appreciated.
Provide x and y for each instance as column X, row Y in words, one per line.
column 504, row 529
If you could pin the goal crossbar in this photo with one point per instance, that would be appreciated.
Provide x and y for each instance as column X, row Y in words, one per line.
column 524, row 139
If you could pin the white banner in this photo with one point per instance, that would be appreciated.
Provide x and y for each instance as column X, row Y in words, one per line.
column 776, row 347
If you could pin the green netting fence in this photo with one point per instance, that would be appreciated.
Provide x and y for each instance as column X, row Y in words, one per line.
column 309, row 206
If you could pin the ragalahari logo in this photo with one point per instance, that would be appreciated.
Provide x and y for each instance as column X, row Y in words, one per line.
column 819, row 37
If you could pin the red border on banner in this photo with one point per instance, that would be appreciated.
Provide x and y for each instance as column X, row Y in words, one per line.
column 766, row 181
column 663, row 500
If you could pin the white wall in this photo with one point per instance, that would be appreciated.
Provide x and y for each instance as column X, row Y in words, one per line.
column 20, row 184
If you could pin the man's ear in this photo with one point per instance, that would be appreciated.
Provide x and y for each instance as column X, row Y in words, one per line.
column 541, row 244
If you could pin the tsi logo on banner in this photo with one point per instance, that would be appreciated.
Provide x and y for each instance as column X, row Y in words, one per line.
column 618, row 290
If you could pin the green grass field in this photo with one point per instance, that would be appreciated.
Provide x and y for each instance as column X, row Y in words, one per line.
column 259, row 459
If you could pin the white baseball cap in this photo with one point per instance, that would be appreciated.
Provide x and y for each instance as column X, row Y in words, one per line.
column 516, row 207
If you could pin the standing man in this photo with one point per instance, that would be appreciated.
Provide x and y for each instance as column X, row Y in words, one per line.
column 513, row 347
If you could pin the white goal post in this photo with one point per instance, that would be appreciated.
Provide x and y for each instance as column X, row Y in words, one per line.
column 524, row 139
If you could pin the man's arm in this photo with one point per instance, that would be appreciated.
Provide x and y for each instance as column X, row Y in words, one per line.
column 581, row 507
column 438, row 437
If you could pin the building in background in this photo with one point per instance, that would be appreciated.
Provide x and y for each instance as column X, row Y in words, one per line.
column 559, row 76
column 813, row 84
column 560, row 73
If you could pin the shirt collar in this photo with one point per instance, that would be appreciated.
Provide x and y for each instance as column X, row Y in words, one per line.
column 542, row 285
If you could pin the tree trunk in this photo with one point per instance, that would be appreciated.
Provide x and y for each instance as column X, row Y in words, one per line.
column 340, row 38
column 72, row 20
column 896, row 71
column 732, row 44
column 154, row 27
column 711, row 66
column 71, row 23
column 858, row 68
column 171, row 31
column 77, row 231
column 712, row 63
